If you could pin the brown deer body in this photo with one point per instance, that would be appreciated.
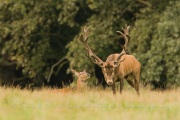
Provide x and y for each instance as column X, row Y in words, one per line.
column 81, row 78
column 128, row 69
column 119, row 66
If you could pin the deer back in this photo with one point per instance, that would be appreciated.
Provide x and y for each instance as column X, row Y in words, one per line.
column 130, row 65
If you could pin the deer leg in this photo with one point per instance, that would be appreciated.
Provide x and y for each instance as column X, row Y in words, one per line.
column 121, row 85
column 129, row 79
column 136, row 81
column 113, row 89
column 131, row 82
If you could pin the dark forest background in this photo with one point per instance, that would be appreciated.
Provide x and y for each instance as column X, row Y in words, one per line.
column 38, row 35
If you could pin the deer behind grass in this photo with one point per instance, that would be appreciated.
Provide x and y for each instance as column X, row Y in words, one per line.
column 81, row 78
column 118, row 66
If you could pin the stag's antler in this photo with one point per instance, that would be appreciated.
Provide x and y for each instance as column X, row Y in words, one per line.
column 118, row 60
column 126, row 37
column 85, row 36
column 120, row 55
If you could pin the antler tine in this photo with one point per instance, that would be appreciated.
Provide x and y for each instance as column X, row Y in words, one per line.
column 126, row 29
column 86, row 33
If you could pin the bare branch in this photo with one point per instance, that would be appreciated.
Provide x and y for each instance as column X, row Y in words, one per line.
column 52, row 68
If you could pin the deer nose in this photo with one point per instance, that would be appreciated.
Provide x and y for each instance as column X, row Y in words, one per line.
column 109, row 82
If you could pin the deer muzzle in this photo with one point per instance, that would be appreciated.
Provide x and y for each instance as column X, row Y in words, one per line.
column 109, row 82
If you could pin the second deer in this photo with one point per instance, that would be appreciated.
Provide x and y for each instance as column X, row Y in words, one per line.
column 81, row 78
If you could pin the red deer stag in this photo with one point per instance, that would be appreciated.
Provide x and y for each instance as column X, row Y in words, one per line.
column 118, row 66
column 81, row 77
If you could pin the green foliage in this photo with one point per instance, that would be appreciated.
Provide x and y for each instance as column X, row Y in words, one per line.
column 36, row 34
column 33, row 34
column 156, row 44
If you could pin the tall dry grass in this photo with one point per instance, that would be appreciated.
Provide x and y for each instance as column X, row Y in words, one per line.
column 94, row 103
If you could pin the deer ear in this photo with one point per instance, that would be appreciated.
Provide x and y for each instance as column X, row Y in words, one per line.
column 74, row 72
column 84, row 70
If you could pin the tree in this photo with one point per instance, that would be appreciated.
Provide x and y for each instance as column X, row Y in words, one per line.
column 34, row 34
column 156, row 41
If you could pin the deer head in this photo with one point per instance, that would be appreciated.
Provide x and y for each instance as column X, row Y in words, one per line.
column 82, row 76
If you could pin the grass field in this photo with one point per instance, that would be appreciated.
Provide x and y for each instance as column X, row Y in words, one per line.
column 89, row 104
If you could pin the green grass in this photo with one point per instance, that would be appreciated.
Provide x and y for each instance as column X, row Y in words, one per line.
column 89, row 104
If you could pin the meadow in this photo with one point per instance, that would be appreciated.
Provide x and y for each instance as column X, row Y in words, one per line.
column 88, row 104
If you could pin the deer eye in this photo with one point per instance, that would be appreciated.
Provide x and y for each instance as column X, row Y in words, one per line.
column 116, row 64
